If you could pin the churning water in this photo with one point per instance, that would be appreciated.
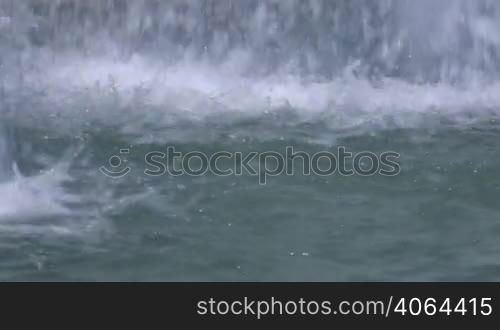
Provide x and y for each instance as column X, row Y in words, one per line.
column 81, row 81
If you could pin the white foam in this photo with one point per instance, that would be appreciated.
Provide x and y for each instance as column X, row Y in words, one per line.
column 195, row 90
column 41, row 205
column 29, row 198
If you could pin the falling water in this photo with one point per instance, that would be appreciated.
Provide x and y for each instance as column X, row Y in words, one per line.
column 81, row 81
column 426, row 41
column 4, row 155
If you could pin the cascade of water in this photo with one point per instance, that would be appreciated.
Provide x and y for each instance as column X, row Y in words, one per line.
column 412, row 40
column 5, row 155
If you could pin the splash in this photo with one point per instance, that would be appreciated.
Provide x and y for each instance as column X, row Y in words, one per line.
column 29, row 198
column 146, row 67
column 140, row 98
column 44, row 205
column 153, row 63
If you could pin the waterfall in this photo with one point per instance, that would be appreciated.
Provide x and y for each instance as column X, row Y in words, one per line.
column 5, row 154
column 412, row 40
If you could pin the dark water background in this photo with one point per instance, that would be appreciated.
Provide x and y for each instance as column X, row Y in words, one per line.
column 81, row 80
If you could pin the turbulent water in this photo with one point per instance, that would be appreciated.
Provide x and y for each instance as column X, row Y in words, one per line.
column 82, row 81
